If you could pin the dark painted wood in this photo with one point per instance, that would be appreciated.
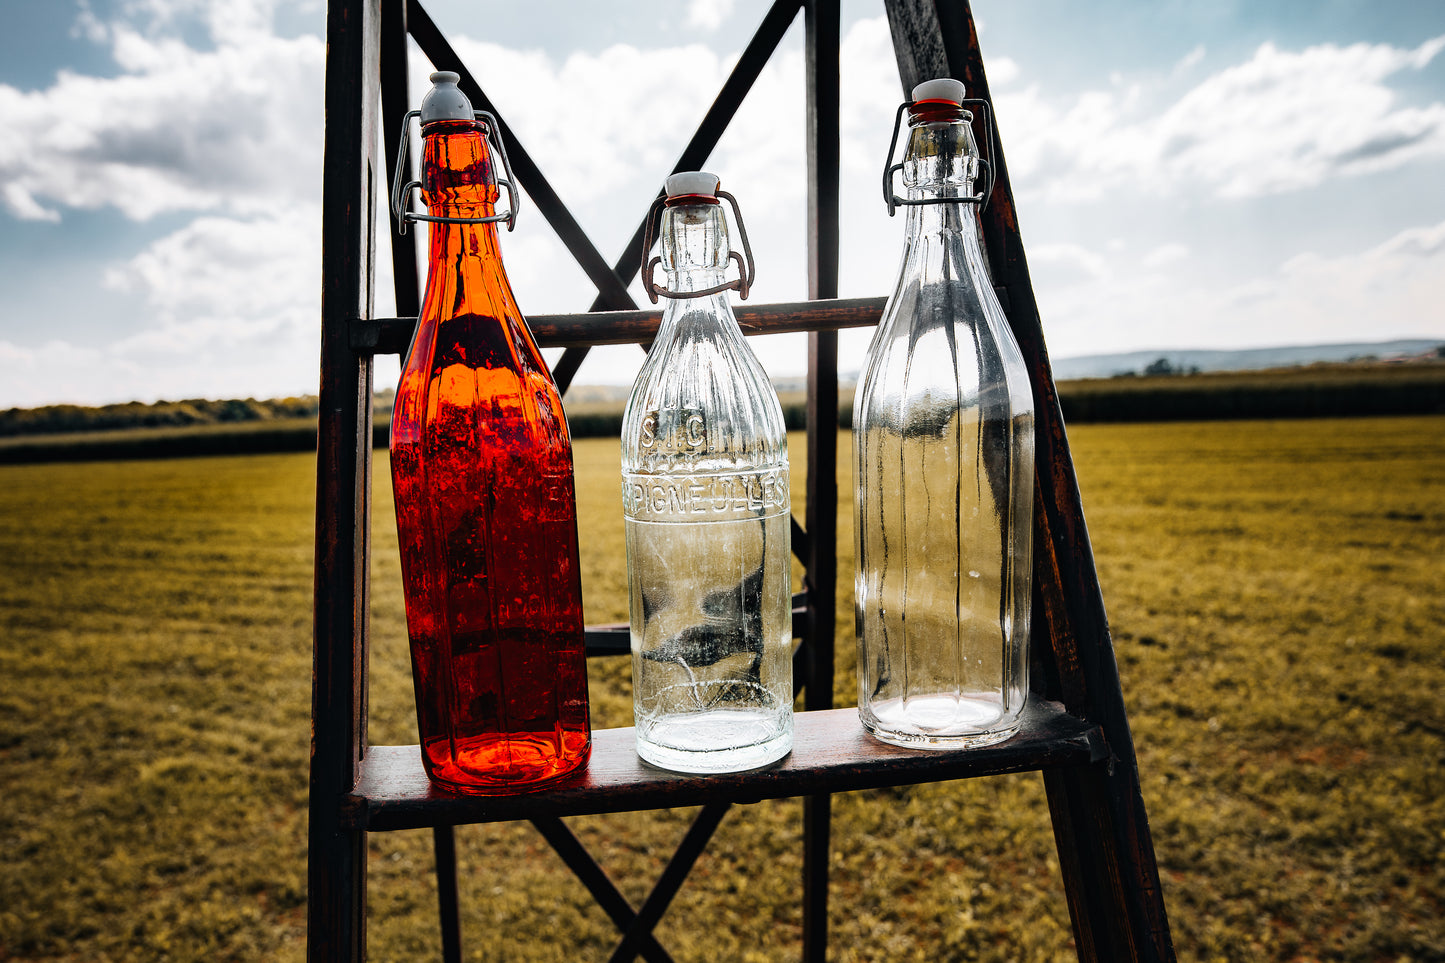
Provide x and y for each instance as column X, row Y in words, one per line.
column 395, row 102
column 917, row 43
column 603, row 890
column 406, row 288
column 802, row 544
column 820, row 44
column 567, row 366
column 613, row 639
column 830, row 749
column 821, row 520
column 336, row 899
column 444, row 845
column 1106, row 851
column 393, row 335
column 671, row 880
column 616, row 638
column 1096, row 868
column 1089, row 768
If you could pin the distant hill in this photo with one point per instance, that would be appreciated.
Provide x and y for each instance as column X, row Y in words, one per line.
column 1109, row 365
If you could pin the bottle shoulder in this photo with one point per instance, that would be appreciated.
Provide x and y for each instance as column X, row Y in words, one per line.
column 702, row 402
column 942, row 344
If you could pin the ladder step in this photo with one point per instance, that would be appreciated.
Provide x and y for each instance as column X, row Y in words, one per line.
column 591, row 328
column 831, row 753
column 615, row 638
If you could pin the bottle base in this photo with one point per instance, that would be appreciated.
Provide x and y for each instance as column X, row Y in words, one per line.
column 923, row 740
column 490, row 766
column 939, row 722
column 714, row 742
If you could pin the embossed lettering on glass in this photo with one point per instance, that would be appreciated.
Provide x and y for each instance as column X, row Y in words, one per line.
column 706, row 506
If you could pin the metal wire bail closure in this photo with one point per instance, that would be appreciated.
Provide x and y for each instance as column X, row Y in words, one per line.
column 401, row 193
column 890, row 168
column 747, row 270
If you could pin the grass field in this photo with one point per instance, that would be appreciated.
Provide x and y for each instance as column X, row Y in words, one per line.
column 1278, row 603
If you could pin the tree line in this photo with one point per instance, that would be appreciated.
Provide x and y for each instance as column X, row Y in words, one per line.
column 68, row 419
column 200, row 426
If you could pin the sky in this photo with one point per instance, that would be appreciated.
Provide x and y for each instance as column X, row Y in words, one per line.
column 1229, row 174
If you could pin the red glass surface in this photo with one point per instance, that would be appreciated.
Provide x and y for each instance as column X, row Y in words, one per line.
column 481, row 466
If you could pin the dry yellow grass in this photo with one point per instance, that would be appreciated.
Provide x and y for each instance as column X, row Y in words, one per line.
column 1277, row 598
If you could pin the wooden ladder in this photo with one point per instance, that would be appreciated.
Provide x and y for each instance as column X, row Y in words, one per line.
column 1075, row 731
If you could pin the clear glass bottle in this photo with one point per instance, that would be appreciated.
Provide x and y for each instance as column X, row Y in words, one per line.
column 943, row 443
column 481, row 466
column 707, row 514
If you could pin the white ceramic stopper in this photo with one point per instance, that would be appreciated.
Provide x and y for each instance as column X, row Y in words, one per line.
column 692, row 182
column 445, row 101
column 943, row 88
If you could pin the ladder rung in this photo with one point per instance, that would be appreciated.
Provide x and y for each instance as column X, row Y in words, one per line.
column 831, row 753
column 393, row 335
column 615, row 638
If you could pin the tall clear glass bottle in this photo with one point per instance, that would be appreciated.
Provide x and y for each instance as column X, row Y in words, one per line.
column 481, row 465
column 707, row 515
column 943, row 444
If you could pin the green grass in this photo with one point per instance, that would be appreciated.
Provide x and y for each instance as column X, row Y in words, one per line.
column 1278, row 604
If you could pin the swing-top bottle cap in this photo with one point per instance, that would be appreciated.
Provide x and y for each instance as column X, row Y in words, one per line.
column 445, row 101
column 943, row 88
column 692, row 184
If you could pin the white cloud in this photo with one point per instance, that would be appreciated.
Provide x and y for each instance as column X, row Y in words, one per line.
column 1190, row 60
column 1394, row 289
column 631, row 112
column 224, row 281
column 1001, row 71
column 1165, row 254
column 1391, row 290
column 24, row 206
column 1072, row 260
column 234, row 308
column 708, row 14
column 218, row 17
column 1282, row 121
column 1426, row 52
column 232, row 133
column 58, row 371
column 235, row 128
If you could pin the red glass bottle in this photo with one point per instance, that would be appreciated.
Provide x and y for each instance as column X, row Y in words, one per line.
column 486, row 515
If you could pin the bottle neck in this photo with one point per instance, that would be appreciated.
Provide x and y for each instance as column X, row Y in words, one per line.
column 694, row 246
column 694, row 249
column 942, row 162
column 942, row 156
column 458, row 181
